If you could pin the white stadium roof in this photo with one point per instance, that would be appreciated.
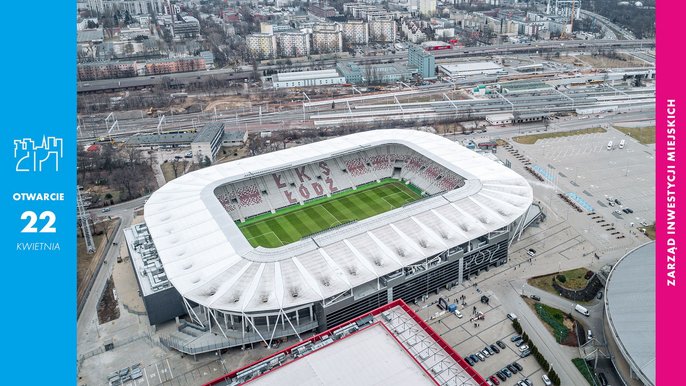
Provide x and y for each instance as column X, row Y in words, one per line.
column 630, row 307
column 209, row 261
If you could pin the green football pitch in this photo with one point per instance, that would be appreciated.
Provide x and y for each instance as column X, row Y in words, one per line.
column 292, row 223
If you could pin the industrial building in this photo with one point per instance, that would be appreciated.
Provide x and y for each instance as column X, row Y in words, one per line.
column 234, row 138
column 423, row 61
column 305, row 79
column 389, row 345
column 629, row 323
column 162, row 301
column 462, row 70
column 235, row 294
column 509, row 118
column 374, row 73
column 207, row 142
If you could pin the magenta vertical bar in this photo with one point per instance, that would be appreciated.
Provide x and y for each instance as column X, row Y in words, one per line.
column 670, row 287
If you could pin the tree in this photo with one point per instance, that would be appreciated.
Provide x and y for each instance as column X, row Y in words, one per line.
column 176, row 167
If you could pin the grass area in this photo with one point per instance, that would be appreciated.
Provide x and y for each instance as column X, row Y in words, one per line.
column 532, row 138
column 644, row 135
column 583, row 368
column 556, row 320
column 575, row 280
column 295, row 222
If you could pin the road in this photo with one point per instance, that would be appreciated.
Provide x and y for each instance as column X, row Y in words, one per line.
column 88, row 320
column 246, row 73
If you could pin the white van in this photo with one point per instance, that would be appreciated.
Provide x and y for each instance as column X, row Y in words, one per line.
column 609, row 145
column 621, row 144
column 582, row 310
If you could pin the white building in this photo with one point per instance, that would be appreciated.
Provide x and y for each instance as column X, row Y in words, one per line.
column 135, row 7
column 427, row 7
column 458, row 70
column 261, row 45
column 293, row 43
column 307, row 79
column 327, row 38
column 207, row 142
column 382, row 29
column 355, row 32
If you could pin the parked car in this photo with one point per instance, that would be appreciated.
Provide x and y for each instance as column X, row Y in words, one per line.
column 525, row 354
column 506, row 372
column 512, row 369
column 500, row 344
column 485, row 353
column 500, row 375
column 512, row 316
column 495, row 349
column 546, row 380
column 603, row 380
column 531, row 252
column 481, row 356
column 474, row 358
column 520, row 343
column 490, row 350
column 515, row 338
column 535, row 297
column 469, row 360
column 617, row 201
column 494, row 379
column 524, row 347
column 517, row 366
column 106, row 210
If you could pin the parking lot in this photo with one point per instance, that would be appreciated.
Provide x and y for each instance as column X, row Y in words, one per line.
column 467, row 339
column 582, row 167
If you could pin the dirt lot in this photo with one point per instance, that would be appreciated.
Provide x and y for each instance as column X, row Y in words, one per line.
column 107, row 307
column 600, row 61
column 168, row 169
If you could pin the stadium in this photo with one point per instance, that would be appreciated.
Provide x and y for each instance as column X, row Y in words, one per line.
column 629, row 323
column 303, row 239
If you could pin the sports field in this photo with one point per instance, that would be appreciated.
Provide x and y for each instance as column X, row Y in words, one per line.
column 295, row 222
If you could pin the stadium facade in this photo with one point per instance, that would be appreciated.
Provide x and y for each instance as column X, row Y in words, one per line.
column 236, row 294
